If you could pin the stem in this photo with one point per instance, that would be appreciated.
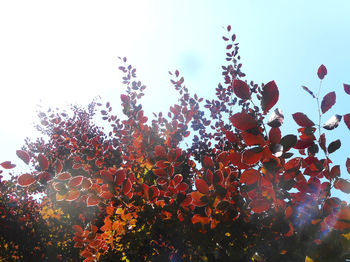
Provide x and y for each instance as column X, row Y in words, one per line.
column 319, row 111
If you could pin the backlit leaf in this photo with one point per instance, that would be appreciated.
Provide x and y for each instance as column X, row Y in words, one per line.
column 64, row 176
column 43, row 162
column 342, row 185
column 26, row 180
column 7, row 165
column 73, row 195
column 241, row 89
column 202, row 186
column 75, row 181
column 250, row 176
column 23, row 155
column 347, row 164
column 243, row 121
column 259, row 205
column 270, row 96
column 92, row 200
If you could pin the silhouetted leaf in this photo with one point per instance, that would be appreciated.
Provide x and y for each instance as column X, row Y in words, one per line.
column 335, row 145
column 321, row 72
column 302, row 120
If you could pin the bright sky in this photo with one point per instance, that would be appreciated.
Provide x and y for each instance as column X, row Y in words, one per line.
column 61, row 52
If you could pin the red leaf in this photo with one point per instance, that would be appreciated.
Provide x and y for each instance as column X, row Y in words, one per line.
column 73, row 194
column 127, row 187
column 86, row 184
column 231, row 137
column 347, row 89
column 64, row 176
column 275, row 135
column 302, row 120
column 251, row 157
column 23, row 155
column 243, row 121
column 343, row 219
column 208, row 162
column 252, row 140
column 348, row 165
column 342, row 185
column 328, row 101
column 75, row 181
column 321, row 72
column 7, row 165
column 260, row 205
column 250, row 176
column 159, row 151
column 120, row 177
column 160, row 172
column 43, row 162
column 92, row 200
column 59, row 166
column 26, row 180
column 347, row 120
column 106, row 195
column 241, row 89
column 334, row 173
column 270, row 96
column 202, row 186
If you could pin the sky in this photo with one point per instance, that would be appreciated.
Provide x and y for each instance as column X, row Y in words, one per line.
column 54, row 53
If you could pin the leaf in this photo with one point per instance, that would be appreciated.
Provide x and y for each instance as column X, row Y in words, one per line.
column 347, row 164
column 335, row 172
column 160, row 172
column 127, row 186
column 159, row 151
column 7, row 165
column 309, row 91
column 64, row 176
column 276, row 118
column 275, row 135
column 25, row 180
column 252, row 140
column 347, row 89
column 270, row 96
column 59, row 166
column 302, row 120
column 288, row 141
column 335, row 145
column 250, row 176
column 322, row 141
column 259, row 205
column 75, row 181
column 200, row 219
column 73, row 194
column 252, row 156
column 241, row 89
column 333, row 122
column 202, row 186
column 23, row 155
column 78, row 229
column 43, row 162
column 243, row 121
column 342, row 185
column 347, row 120
column 328, row 101
column 92, row 200
column 321, row 72
column 208, row 162
column 120, row 176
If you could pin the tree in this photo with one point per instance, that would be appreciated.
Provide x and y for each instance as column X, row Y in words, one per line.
column 241, row 191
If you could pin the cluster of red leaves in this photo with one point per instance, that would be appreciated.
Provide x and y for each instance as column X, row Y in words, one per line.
column 238, row 179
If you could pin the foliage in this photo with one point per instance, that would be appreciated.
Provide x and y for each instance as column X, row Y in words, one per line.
column 241, row 191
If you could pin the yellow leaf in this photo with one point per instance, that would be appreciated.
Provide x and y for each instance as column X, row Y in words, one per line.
column 308, row 259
